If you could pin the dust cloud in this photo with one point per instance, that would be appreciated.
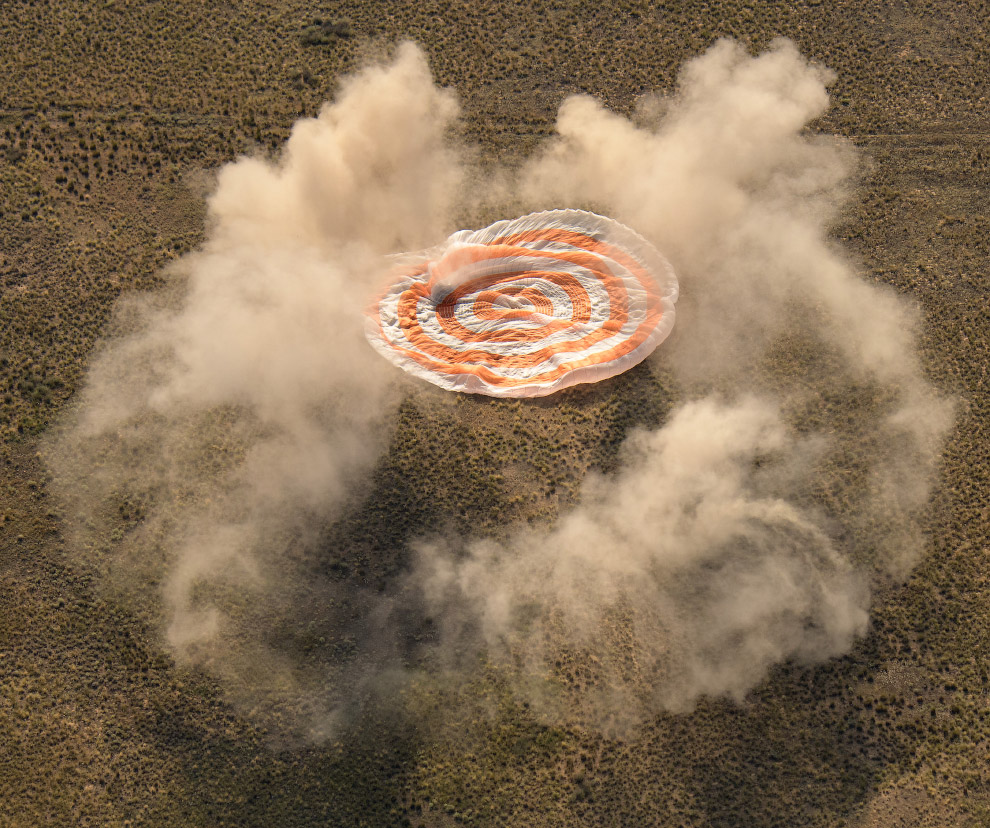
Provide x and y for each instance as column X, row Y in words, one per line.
column 734, row 537
column 688, row 572
column 233, row 415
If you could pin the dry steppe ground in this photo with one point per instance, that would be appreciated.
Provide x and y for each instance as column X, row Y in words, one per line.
column 115, row 113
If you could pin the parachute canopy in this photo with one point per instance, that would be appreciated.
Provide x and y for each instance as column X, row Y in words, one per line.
column 527, row 306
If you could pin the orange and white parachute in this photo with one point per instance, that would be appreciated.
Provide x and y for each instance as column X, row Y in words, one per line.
column 527, row 306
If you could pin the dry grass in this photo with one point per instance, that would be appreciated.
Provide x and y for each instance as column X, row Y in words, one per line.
column 115, row 115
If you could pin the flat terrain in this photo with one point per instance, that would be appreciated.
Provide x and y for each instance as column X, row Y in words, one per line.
column 114, row 117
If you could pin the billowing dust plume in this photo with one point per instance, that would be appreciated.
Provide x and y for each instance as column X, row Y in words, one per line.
column 235, row 415
column 744, row 531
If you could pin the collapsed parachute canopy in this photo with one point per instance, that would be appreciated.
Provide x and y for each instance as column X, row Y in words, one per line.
column 526, row 307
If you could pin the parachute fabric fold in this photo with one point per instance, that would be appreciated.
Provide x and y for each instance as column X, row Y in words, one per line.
column 528, row 306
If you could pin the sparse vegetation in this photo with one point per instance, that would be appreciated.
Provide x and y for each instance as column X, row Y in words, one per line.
column 114, row 118
column 325, row 32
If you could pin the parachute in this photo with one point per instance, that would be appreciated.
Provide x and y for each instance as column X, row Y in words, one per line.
column 527, row 306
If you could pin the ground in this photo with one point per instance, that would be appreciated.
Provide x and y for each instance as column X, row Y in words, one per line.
column 115, row 117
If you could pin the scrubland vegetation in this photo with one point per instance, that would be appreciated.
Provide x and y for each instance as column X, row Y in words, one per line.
column 116, row 115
